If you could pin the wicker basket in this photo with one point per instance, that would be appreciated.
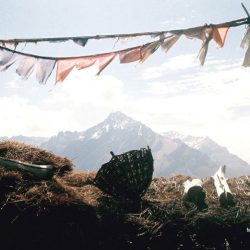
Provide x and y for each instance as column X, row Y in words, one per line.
column 127, row 175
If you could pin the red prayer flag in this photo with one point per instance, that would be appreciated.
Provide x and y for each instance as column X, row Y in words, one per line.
column 64, row 66
column 149, row 49
column 104, row 61
column 131, row 55
column 219, row 35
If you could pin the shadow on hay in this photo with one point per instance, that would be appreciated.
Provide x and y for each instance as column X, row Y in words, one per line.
column 65, row 226
column 69, row 213
column 30, row 154
column 43, row 215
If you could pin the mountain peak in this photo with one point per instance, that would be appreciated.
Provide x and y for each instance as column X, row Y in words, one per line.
column 118, row 116
column 119, row 120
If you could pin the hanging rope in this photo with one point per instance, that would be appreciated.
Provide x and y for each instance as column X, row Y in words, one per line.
column 233, row 23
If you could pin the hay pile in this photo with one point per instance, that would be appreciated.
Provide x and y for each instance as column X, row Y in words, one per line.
column 69, row 212
column 30, row 154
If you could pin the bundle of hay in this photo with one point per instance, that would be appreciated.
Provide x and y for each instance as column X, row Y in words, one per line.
column 34, row 155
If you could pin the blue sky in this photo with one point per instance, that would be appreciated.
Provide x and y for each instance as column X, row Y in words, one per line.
column 168, row 92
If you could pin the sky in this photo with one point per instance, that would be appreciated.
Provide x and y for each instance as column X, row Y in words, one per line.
column 168, row 92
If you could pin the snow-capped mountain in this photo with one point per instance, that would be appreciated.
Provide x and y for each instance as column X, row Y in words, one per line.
column 220, row 155
column 120, row 133
column 191, row 141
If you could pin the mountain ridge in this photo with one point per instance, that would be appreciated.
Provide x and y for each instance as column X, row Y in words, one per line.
column 217, row 153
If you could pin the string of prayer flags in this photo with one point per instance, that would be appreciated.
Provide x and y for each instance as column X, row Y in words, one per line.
column 82, row 40
column 43, row 66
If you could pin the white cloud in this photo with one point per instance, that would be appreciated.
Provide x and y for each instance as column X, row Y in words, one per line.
column 76, row 104
column 181, row 62
column 19, row 116
column 82, row 90
column 13, row 84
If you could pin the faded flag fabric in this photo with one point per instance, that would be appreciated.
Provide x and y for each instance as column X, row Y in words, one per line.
column 41, row 66
column 246, row 62
column 246, row 44
column 65, row 65
column 203, row 52
column 204, row 48
column 219, row 35
column 195, row 33
column 81, row 41
column 148, row 50
column 168, row 42
column 131, row 55
column 44, row 68
column 26, row 66
column 7, row 58
column 203, row 34
column 104, row 60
